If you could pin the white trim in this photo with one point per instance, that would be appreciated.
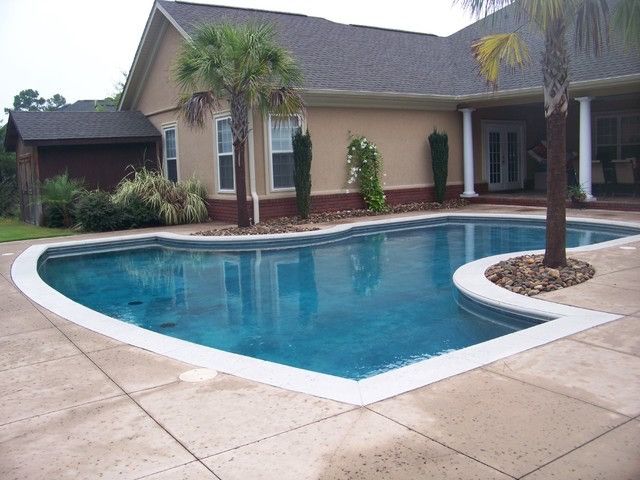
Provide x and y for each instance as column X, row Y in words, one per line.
column 173, row 22
column 216, row 118
column 164, row 127
column 521, row 125
column 469, row 279
column 252, row 171
column 270, row 153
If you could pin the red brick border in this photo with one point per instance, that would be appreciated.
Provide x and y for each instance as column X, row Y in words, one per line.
column 225, row 210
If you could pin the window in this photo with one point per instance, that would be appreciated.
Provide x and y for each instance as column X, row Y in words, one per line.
column 281, row 132
column 224, row 140
column 170, row 153
column 618, row 136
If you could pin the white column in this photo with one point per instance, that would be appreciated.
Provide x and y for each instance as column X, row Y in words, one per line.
column 585, row 146
column 467, row 153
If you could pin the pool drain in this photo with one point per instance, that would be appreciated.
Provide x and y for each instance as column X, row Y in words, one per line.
column 167, row 325
column 135, row 302
column 198, row 375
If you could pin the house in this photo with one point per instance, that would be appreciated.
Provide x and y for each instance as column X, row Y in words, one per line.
column 393, row 87
column 98, row 147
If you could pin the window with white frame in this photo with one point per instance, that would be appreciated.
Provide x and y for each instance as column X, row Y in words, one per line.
column 224, row 140
column 618, row 136
column 281, row 131
column 170, row 153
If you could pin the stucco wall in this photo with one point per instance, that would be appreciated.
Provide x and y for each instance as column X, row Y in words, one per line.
column 159, row 91
column 401, row 136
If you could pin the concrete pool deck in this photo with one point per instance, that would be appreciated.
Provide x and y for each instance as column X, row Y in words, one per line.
column 75, row 404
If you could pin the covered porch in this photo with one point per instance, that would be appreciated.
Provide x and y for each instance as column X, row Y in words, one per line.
column 504, row 149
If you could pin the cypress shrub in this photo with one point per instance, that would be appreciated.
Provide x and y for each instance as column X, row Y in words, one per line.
column 439, row 143
column 302, row 171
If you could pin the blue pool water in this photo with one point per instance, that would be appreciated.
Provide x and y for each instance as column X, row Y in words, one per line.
column 351, row 307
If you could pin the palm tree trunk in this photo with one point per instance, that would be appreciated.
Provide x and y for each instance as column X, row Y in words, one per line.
column 555, row 66
column 240, row 130
column 555, row 252
column 241, row 185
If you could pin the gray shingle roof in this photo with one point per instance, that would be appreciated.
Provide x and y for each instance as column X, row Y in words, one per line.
column 57, row 126
column 89, row 106
column 353, row 58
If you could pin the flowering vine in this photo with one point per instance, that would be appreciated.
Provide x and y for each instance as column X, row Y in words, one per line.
column 364, row 164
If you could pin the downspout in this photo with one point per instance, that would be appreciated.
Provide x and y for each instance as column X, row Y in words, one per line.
column 252, row 173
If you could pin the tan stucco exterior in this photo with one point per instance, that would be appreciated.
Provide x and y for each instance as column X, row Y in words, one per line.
column 401, row 136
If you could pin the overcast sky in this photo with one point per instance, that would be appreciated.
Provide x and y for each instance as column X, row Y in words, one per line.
column 79, row 48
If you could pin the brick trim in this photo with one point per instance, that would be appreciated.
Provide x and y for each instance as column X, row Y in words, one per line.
column 226, row 211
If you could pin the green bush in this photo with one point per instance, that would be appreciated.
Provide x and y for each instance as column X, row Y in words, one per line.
column 439, row 143
column 137, row 214
column 302, row 171
column 365, row 164
column 58, row 195
column 172, row 203
column 95, row 211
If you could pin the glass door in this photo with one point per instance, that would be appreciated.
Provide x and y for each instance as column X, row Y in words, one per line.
column 503, row 153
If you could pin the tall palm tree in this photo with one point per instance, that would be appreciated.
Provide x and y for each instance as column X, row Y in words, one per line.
column 244, row 65
column 552, row 18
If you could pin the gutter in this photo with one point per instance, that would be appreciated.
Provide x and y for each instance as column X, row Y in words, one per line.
column 252, row 173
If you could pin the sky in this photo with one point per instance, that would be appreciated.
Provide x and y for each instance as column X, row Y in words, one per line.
column 79, row 48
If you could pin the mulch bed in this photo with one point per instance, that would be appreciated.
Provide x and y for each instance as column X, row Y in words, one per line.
column 294, row 224
column 527, row 275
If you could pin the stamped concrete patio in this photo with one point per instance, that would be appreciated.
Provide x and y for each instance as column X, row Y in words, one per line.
column 75, row 404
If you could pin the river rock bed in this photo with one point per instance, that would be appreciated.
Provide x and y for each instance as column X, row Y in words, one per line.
column 527, row 275
column 294, row 224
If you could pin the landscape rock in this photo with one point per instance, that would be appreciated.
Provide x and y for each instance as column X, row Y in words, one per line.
column 527, row 275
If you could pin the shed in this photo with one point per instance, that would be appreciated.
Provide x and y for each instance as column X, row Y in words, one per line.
column 98, row 147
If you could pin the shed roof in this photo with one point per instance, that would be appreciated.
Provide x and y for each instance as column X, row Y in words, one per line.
column 55, row 128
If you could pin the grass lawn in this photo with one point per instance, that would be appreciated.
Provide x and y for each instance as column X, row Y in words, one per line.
column 14, row 229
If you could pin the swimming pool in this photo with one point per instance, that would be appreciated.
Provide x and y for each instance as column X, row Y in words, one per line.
column 351, row 304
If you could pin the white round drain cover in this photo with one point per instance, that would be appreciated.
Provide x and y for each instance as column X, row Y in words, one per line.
column 198, row 375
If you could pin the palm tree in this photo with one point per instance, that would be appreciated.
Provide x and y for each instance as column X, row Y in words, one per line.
column 552, row 18
column 244, row 65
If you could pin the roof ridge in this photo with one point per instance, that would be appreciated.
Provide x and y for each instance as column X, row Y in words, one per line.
column 390, row 29
column 187, row 2
column 200, row 4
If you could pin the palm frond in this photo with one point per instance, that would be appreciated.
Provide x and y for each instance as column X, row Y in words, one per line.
column 483, row 8
column 592, row 25
column 493, row 51
column 198, row 106
column 626, row 20
column 545, row 12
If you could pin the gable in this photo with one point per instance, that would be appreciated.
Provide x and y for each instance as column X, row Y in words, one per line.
column 157, row 90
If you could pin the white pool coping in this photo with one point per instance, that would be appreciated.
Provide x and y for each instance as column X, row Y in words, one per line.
column 469, row 279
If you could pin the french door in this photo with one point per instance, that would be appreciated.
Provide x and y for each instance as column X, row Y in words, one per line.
column 504, row 155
